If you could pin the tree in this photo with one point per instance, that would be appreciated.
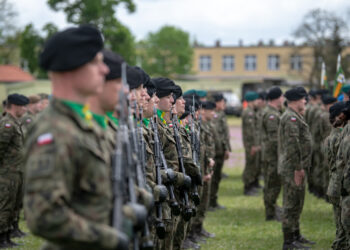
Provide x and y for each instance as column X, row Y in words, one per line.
column 325, row 33
column 101, row 13
column 167, row 52
column 29, row 45
column 49, row 29
column 9, row 35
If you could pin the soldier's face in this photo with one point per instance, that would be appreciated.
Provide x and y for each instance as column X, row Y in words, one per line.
column 148, row 109
column 109, row 98
column 140, row 95
column 180, row 106
column 165, row 103
column 301, row 105
column 280, row 102
column 18, row 111
column 89, row 78
column 220, row 105
column 44, row 103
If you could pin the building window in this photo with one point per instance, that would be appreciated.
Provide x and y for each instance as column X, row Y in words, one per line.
column 296, row 62
column 250, row 62
column 273, row 62
column 205, row 63
column 228, row 63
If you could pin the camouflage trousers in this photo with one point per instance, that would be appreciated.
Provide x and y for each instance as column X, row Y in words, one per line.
column 272, row 187
column 180, row 234
column 340, row 236
column 168, row 242
column 293, row 202
column 11, row 195
column 215, row 181
column 315, row 177
column 203, row 206
column 251, row 170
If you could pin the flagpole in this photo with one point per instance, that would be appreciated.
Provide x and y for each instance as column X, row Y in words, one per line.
column 323, row 72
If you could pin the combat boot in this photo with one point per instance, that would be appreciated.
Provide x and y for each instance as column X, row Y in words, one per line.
column 298, row 237
column 9, row 241
column 16, row 232
column 205, row 233
column 3, row 241
column 250, row 191
column 188, row 244
column 289, row 243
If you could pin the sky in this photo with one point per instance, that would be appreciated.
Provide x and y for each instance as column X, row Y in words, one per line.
column 206, row 20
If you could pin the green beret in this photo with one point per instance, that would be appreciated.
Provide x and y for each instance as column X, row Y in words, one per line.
column 251, row 96
column 345, row 88
column 200, row 93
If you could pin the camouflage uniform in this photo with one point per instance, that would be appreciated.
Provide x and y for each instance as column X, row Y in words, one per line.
column 207, row 151
column 222, row 145
column 249, row 127
column 331, row 146
column 294, row 147
column 68, row 196
column 316, row 173
column 11, row 172
column 26, row 121
column 272, row 187
column 167, row 242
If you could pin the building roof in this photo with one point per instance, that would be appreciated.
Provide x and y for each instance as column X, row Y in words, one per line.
column 11, row 73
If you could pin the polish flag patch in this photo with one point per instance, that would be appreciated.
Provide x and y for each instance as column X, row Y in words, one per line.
column 271, row 117
column 170, row 125
column 45, row 139
column 28, row 120
column 8, row 125
column 293, row 119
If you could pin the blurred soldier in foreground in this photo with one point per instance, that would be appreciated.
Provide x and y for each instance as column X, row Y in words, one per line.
column 68, row 197
column 294, row 147
column 11, row 172
column 250, row 142
column 338, row 118
column 272, row 181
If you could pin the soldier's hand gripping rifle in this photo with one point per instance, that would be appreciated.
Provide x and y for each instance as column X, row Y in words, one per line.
column 124, row 172
column 187, row 211
column 161, row 164
column 138, row 147
column 195, row 153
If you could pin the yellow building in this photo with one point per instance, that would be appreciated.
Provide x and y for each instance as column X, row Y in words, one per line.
column 254, row 62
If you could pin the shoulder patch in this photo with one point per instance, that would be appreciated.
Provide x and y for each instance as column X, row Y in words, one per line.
column 293, row 119
column 28, row 120
column 8, row 125
column 271, row 117
column 170, row 125
column 45, row 139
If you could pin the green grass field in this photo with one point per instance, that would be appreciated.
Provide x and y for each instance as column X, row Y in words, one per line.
column 242, row 225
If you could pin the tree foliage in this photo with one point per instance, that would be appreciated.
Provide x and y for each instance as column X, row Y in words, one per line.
column 325, row 32
column 167, row 52
column 9, row 36
column 102, row 14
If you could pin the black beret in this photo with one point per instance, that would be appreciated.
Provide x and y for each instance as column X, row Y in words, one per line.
column 208, row 105
column 274, row 93
column 295, row 94
column 189, row 103
column 151, row 88
column 177, row 91
column 262, row 95
column 328, row 99
column 71, row 48
column 217, row 97
column 17, row 99
column 185, row 114
column 114, row 63
column 322, row 92
column 134, row 77
column 336, row 109
column 164, row 86
column 313, row 93
column 144, row 76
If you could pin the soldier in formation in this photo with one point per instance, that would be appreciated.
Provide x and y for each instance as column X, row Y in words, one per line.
column 118, row 160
